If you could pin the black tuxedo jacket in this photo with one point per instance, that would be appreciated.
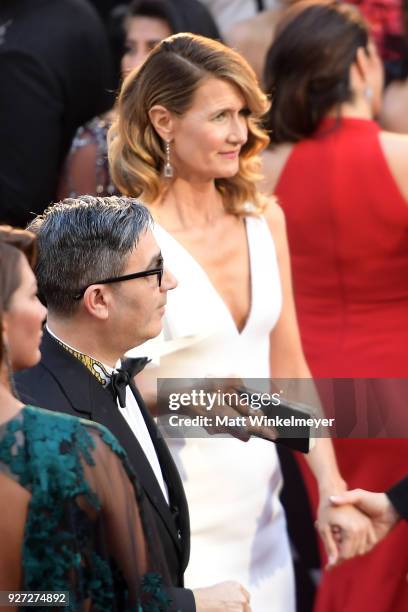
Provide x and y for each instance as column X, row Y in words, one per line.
column 60, row 382
column 398, row 496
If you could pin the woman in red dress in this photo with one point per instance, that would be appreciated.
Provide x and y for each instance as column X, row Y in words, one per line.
column 343, row 185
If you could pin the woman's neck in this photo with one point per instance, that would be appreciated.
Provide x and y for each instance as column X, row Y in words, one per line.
column 354, row 110
column 189, row 204
column 9, row 405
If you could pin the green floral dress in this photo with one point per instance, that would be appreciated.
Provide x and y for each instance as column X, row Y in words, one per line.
column 84, row 524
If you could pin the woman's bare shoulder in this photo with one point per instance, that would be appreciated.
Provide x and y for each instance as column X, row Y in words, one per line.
column 395, row 149
column 275, row 219
column 394, row 143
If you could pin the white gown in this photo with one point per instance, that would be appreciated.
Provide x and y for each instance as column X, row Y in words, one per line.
column 238, row 528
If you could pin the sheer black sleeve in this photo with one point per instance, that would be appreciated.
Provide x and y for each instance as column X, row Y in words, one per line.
column 398, row 496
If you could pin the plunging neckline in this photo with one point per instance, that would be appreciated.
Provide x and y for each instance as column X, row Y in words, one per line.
column 215, row 291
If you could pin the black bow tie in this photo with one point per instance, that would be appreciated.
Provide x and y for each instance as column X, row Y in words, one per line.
column 123, row 376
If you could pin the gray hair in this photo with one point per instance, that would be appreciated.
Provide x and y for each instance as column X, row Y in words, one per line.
column 83, row 240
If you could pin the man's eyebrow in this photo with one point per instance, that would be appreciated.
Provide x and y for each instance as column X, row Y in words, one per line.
column 156, row 261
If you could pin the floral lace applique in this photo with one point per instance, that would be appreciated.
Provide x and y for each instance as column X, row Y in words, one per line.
column 45, row 453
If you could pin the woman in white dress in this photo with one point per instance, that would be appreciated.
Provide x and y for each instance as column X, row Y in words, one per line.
column 186, row 140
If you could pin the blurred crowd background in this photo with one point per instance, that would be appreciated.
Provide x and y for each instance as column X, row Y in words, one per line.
column 61, row 65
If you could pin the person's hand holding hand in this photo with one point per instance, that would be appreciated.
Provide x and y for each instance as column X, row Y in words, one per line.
column 345, row 530
column 376, row 506
column 226, row 596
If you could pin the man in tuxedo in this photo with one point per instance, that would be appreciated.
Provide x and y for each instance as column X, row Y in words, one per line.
column 56, row 74
column 101, row 273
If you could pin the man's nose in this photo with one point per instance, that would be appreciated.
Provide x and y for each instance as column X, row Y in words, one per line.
column 169, row 281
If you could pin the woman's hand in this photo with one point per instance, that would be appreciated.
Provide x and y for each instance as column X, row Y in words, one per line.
column 228, row 596
column 345, row 534
column 375, row 505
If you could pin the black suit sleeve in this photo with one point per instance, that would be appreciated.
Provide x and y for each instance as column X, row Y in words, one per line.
column 183, row 599
column 31, row 112
column 128, row 524
column 398, row 496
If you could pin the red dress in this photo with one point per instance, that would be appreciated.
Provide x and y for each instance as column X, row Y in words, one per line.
column 347, row 228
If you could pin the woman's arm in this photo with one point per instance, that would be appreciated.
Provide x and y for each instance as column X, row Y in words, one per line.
column 86, row 167
column 287, row 360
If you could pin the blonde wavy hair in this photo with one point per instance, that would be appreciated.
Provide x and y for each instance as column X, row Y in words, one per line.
column 170, row 77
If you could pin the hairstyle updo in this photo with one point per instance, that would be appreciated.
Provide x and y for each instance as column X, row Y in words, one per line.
column 307, row 66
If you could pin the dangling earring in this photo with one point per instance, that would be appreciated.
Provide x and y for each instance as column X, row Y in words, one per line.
column 368, row 93
column 9, row 369
column 168, row 170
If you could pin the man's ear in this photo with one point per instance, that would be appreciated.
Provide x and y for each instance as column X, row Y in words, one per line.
column 97, row 300
column 162, row 121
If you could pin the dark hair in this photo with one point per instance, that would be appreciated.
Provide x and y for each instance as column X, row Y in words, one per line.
column 307, row 66
column 158, row 9
column 14, row 244
column 82, row 240
column 181, row 15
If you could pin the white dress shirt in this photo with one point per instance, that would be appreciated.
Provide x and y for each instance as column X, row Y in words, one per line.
column 134, row 418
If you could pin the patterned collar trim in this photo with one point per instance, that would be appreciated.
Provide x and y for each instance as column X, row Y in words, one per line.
column 101, row 372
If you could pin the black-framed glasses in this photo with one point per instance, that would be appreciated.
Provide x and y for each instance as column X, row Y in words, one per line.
column 119, row 279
